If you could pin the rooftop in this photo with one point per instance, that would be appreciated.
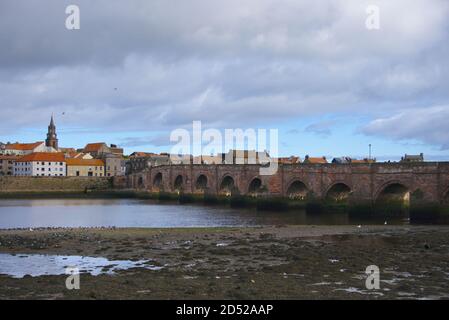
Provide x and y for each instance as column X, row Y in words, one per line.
column 23, row 146
column 43, row 156
column 85, row 162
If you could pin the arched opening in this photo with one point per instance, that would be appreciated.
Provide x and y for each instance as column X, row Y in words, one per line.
column 394, row 199
column 297, row 190
column 227, row 186
column 255, row 186
column 157, row 181
column 140, row 182
column 201, row 183
column 178, row 183
column 339, row 192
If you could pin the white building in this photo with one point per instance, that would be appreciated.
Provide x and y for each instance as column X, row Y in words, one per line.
column 42, row 164
column 21, row 149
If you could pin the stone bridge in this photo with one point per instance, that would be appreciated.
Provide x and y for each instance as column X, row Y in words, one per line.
column 428, row 181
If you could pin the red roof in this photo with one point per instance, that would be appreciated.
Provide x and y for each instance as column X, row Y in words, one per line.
column 94, row 147
column 85, row 162
column 8, row 157
column 23, row 146
column 315, row 160
column 43, row 156
column 138, row 154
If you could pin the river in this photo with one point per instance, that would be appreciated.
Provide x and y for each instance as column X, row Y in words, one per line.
column 146, row 213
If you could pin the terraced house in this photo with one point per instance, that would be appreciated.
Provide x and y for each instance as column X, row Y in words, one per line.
column 42, row 164
column 78, row 167
column 7, row 165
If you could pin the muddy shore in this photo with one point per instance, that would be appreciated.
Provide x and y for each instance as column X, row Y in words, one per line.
column 279, row 262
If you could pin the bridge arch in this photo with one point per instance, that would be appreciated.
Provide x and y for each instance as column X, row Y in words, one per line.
column 255, row 186
column 297, row 190
column 178, row 183
column 393, row 199
column 338, row 192
column 201, row 183
column 393, row 190
column 157, row 181
column 228, row 186
column 140, row 182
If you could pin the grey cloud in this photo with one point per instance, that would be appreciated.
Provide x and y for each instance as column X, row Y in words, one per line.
column 322, row 128
column 428, row 125
column 227, row 63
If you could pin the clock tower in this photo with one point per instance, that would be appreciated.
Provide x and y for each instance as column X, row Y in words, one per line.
column 52, row 137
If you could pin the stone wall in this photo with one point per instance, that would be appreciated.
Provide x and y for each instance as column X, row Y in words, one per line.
column 365, row 181
column 53, row 184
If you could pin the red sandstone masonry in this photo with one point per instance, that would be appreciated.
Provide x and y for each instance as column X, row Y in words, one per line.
column 366, row 181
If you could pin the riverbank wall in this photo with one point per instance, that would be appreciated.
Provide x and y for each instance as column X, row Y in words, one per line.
column 40, row 185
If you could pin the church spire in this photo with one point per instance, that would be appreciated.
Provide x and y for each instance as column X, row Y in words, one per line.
column 52, row 137
column 52, row 123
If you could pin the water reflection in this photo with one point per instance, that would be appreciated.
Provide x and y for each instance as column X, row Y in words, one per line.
column 146, row 213
column 35, row 265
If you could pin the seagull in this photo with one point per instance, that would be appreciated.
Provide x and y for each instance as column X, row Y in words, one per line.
column 359, row 226
column 385, row 222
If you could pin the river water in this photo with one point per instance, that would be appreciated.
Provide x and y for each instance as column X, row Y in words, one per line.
column 147, row 213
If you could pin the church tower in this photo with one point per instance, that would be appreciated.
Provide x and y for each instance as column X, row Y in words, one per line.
column 52, row 137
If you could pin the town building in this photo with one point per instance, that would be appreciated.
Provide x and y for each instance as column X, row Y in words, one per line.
column 51, row 164
column 114, row 165
column 7, row 164
column 78, row 167
column 413, row 158
column 347, row 160
column 341, row 160
column 111, row 155
column 139, row 161
column 21, row 149
column 315, row 160
column 245, row 157
column 207, row 160
column 289, row 160
column 99, row 149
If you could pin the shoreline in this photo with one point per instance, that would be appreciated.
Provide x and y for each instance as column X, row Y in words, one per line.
column 276, row 262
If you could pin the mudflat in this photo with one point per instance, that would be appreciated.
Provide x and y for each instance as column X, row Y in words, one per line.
column 277, row 262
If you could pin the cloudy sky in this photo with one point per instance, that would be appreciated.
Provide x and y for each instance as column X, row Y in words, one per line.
column 138, row 69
